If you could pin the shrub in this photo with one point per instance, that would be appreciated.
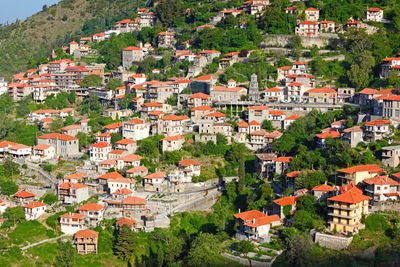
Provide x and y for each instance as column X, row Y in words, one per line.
column 376, row 222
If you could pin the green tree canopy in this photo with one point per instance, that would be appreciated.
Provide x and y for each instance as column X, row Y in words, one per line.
column 92, row 80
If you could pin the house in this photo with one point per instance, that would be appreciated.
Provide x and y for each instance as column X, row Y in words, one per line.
column 166, row 39
column 199, row 99
column 120, row 183
column 282, row 164
column 131, row 224
column 389, row 64
column 172, row 143
column 280, row 204
column 289, row 120
column 382, row 188
column 391, row 156
column 327, row 26
column 257, row 113
column 121, row 194
column 321, row 138
column 72, row 193
column 199, row 112
column 227, row 94
column 357, row 174
column 190, row 167
column 291, row 10
column 130, row 160
column 262, row 139
column 76, row 177
column 34, row 210
column 137, row 79
column 99, row 151
column 265, row 165
column 72, row 223
column 103, row 137
column 307, row 29
column 85, row 241
column 154, row 182
column 353, row 135
column 23, row 197
column 274, row 94
column 102, row 179
column 376, row 130
column 347, row 211
column 4, row 146
column 203, row 84
column 135, row 129
column 312, row 14
column 20, row 150
column 171, row 125
column 137, row 171
column 94, row 213
column 113, row 128
column 323, row 191
column 391, row 106
column 160, row 91
column 374, row 14
column 127, row 145
column 255, row 225
column 65, row 145
column 321, row 95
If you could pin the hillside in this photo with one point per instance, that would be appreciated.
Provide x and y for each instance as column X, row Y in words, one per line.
column 55, row 26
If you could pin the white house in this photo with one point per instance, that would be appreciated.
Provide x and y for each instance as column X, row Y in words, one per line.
column 94, row 213
column 72, row 223
column 34, row 210
column 99, row 151
column 136, row 129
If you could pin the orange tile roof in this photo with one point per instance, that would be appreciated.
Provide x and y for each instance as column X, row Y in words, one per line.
column 35, row 204
column 24, row 194
column 132, row 200
column 328, row 134
column 86, row 233
column 368, row 91
column 265, row 220
column 377, row 122
column 72, row 215
column 173, row 138
column 122, row 191
column 292, row 118
column 202, row 108
column 324, row 188
column 352, row 196
column 276, row 113
column 243, row 124
column 6, row 144
column 92, row 207
column 101, row 145
column 125, row 142
column 130, row 158
column 136, row 121
column 174, row 118
column 153, row 104
column 132, row 48
column 205, row 78
column 307, row 23
column 283, row 159
column 249, row 215
column 321, row 90
column 254, row 123
column 258, row 107
column 62, row 137
column 381, row 180
column 216, row 114
column 114, row 125
column 286, row 201
column 199, row 95
column 274, row 89
column 126, row 221
column 188, row 162
column 110, row 175
column 157, row 113
column 137, row 169
column 371, row 168
column 18, row 146
column 75, row 176
column 293, row 174
column 156, row 175
column 353, row 129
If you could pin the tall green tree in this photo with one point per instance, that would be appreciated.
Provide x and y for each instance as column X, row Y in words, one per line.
column 91, row 80
column 124, row 244
column 241, row 172
column 66, row 254
column 203, row 250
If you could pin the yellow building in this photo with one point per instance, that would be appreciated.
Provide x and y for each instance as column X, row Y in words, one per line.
column 357, row 174
column 347, row 210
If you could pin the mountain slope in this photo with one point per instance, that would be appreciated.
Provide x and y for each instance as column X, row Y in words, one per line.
column 20, row 42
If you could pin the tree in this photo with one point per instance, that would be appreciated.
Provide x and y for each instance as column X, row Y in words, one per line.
column 266, row 191
column 92, row 80
column 267, row 125
column 168, row 11
column 203, row 250
column 310, row 179
column 241, row 173
column 308, row 203
column 72, row 97
column 114, row 83
column 57, row 124
column 172, row 100
column 303, row 220
column 298, row 249
column 244, row 247
column 115, row 137
column 16, row 214
column 49, row 198
column 124, row 244
column 9, row 187
column 66, row 254
column 69, row 120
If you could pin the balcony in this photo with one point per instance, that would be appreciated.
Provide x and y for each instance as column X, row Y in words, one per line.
column 342, row 207
column 342, row 216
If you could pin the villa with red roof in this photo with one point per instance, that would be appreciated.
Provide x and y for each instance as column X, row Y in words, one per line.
column 166, row 39
column 255, row 225
column 172, row 143
column 137, row 171
column 357, row 174
column 154, row 182
column 374, row 14
column 23, row 197
column 347, row 210
column 199, row 112
column 34, row 210
column 280, row 204
column 323, row 191
column 203, row 84
column 382, row 188
column 198, row 99
column 307, row 28
column 274, row 94
column 99, row 151
column 321, row 95
column 312, row 14
column 127, row 145
column 376, row 130
column 130, row 55
column 93, row 212
column 65, row 145
column 116, row 184
column 282, row 164
column 171, row 124
column 135, row 129
column 257, row 113
column 72, row 223
column 321, row 138
column 72, row 193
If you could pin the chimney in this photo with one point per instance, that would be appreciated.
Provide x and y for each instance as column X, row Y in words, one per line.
column 239, row 210
column 254, row 220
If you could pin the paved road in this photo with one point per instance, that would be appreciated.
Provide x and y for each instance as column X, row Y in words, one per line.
column 31, row 166
column 43, row 241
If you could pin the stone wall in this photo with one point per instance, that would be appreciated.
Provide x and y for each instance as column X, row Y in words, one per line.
column 284, row 40
column 332, row 242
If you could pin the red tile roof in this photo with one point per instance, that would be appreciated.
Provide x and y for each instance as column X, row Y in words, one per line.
column 62, row 137
column 293, row 174
column 188, row 162
column 243, row 124
column 286, row 201
column 265, row 220
column 321, row 90
column 92, row 207
column 76, row 175
column 173, row 138
column 328, row 134
column 205, row 78
column 130, row 158
column 292, row 118
column 249, row 215
column 324, row 188
column 35, row 204
column 199, row 95
column 216, row 114
column 110, row 175
column 352, row 196
column 24, row 194
column 203, row 108
column 137, row 169
column 371, row 168
column 73, row 215
column 381, row 180
column 132, row 200
column 132, row 48
column 126, row 221
column 254, row 123
column 125, row 142
column 258, row 107
column 156, row 175
column 86, row 233
column 122, row 191
column 283, row 159
column 276, row 113
column 377, row 122
column 101, row 145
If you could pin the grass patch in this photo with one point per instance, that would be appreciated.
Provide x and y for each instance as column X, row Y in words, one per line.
column 30, row 231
